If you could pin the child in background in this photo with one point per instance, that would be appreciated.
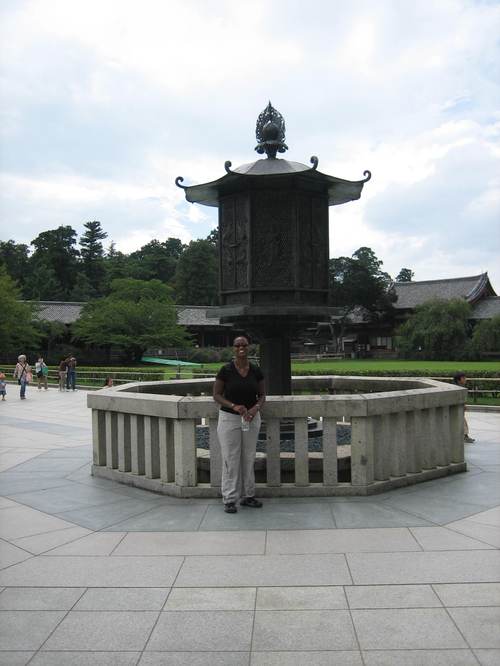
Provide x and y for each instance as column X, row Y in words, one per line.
column 3, row 386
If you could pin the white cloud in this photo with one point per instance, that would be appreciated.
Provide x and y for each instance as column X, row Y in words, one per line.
column 106, row 103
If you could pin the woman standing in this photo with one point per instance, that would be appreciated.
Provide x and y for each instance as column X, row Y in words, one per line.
column 62, row 370
column 240, row 391
column 41, row 371
column 23, row 374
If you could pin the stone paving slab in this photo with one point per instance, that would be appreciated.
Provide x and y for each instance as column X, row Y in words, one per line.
column 73, row 658
column 392, row 596
column 479, row 625
column 10, row 554
column 209, row 598
column 103, row 630
column 192, row 543
column 263, row 570
column 203, row 630
column 21, row 521
column 194, row 659
column 341, row 541
column 40, row 543
column 122, row 599
column 438, row 538
column 301, row 598
column 489, row 534
column 373, row 514
column 325, row 658
column 15, row 658
column 92, row 572
column 40, row 598
column 424, row 657
column 303, row 630
column 95, row 543
column 488, row 657
column 27, row 630
column 273, row 517
column 469, row 594
column 410, row 628
column 429, row 567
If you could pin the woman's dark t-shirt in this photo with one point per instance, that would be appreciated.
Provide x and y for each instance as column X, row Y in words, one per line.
column 238, row 389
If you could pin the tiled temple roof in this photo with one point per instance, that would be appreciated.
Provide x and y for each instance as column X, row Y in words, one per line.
column 472, row 288
column 486, row 308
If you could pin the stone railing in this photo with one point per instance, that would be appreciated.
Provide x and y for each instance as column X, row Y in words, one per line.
column 402, row 431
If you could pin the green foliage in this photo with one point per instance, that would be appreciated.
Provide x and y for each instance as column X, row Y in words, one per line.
column 55, row 250
column 486, row 336
column 17, row 331
column 359, row 281
column 136, row 316
column 405, row 275
column 437, row 329
column 14, row 256
column 156, row 260
column 92, row 254
column 197, row 275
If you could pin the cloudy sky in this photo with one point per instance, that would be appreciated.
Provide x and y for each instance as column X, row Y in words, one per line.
column 105, row 102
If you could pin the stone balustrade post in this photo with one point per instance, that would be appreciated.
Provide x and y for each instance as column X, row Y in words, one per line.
column 167, row 453
column 151, row 447
column 185, row 452
column 137, row 443
column 362, row 436
column 427, row 438
column 330, row 475
column 413, row 462
column 111, row 440
column 273, row 461
column 215, row 455
column 124, row 447
column 98, row 437
column 301, row 452
column 382, row 447
column 398, row 443
column 457, row 433
column 443, row 443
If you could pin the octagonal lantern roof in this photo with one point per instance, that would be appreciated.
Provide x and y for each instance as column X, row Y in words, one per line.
column 270, row 133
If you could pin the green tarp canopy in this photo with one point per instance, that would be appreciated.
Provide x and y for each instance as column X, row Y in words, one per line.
column 166, row 361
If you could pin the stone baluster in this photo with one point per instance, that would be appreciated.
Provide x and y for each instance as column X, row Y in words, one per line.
column 382, row 447
column 185, row 452
column 111, row 440
column 457, row 433
column 124, row 446
column 137, row 443
column 167, row 453
column 301, row 452
column 99, row 437
column 215, row 455
column 273, row 465
column 151, row 447
column 442, row 425
column 362, row 435
column 427, row 438
column 330, row 451
column 413, row 462
column 398, row 443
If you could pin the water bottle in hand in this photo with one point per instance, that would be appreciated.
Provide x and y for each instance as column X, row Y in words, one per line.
column 245, row 425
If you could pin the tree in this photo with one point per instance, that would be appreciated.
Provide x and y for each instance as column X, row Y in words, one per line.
column 116, row 266
column 156, row 260
column 55, row 249
column 14, row 256
column 17, row 331
column 486, row 335
column 197, row 275
column 92, row 253
column 42, row 285
column 136, row 316
column 437, row 329
column 405, row 275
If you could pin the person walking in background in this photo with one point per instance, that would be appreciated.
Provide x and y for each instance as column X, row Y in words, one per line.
column 62, row 370
column 108, row 382
column 3, row 386
column 22, row 373
column 71, row 374
column 41, row 371
column 460, row 379
column 240, row 391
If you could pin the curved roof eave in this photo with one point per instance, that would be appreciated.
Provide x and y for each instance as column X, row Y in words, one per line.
column 339, row 190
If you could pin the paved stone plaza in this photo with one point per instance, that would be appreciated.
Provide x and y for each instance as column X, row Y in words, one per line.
column 93, row 572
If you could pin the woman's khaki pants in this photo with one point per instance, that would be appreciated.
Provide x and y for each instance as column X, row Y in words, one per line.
column 238, row 456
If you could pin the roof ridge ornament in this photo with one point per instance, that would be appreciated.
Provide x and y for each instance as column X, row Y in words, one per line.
column 270, row 132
